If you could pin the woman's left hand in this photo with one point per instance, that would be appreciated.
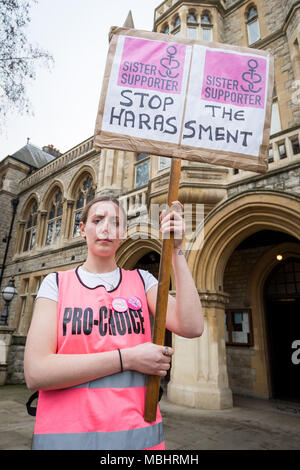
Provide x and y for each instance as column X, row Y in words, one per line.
column 171, row 221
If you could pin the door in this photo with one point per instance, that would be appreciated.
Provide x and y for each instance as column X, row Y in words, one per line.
column 282, row 308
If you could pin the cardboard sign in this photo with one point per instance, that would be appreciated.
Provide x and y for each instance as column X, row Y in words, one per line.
column 195, row 100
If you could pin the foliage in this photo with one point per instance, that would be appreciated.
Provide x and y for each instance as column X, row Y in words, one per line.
column 18, row 58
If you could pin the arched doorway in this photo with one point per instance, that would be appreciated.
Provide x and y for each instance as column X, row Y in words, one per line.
column 282, row 314
column 225, row 228
column 247, row 268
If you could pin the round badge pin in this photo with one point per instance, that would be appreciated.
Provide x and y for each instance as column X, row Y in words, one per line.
column 120, row 304
column 134, row 302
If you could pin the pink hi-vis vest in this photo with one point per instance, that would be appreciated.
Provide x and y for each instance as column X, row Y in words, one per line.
column 107, row 413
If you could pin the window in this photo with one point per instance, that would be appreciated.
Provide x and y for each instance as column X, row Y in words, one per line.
column 252, row 25
column 296, row 58
column 191, row 18
column 284, row 281
column 85, row 193
column 192, row 32
column 205, row 19
column 142, row 169
column 238, row 327
column 23, row 297
column 275, row 117
column 207, row 34
column 271, row 156
column 37, row 283
column 282, row 151
column 166, row 29
column 164, row 162
column 206, row 26
column 2, row 179
column 295, row 145
column 177, row 22
column 30, row 227
column 54, row 218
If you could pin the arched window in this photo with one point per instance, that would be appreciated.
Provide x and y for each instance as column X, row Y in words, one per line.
column 84, row 194
column 166, row 29
column 252, row 13
column 177, row 21
column 252, row 24
column 206, row 26
column 142, row 169
column 54, row 218
column 30, row 226
column 191, row 17
column 192, row 25
column 205, row 19
column 2, row 179
column 275, row 116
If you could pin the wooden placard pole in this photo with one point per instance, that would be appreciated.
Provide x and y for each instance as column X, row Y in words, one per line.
column 162, row 295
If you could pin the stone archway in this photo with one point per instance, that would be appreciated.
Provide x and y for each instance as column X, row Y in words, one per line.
column 203, row 383
column 233, row 221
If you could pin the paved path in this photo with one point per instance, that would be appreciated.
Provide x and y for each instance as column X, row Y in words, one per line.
column 252, row 424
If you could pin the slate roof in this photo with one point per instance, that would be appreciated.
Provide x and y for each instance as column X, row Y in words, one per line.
column 33, row 156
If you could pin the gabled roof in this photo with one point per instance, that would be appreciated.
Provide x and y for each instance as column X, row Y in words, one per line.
column 33, row 156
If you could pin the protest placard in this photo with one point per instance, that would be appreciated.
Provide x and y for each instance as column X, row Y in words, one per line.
column 194, row 100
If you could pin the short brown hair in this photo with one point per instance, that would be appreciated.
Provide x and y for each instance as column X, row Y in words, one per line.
column 86, row 209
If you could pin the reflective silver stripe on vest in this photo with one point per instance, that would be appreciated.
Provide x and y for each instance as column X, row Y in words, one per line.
column 133, row 439
column 126, row 379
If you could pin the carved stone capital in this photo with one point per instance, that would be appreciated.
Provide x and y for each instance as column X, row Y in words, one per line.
column 214, row 299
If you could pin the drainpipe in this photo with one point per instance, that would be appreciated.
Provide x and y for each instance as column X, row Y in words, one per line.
column 14, row 203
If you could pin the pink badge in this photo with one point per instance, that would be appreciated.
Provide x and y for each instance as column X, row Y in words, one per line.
column 120, row 304
column 134, row 302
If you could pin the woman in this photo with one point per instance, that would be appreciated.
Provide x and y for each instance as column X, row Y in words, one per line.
column 89, row 348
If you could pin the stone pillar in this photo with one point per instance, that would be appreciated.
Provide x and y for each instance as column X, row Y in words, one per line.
column 20, row 236
column 199, row 372
column 120, row 170
column 101, row 170
column 64, row 221
column 68, row 226
column 42, row 224
column 108, row 173
column 5, row 342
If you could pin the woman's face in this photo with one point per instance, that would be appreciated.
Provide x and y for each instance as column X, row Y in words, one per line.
column 104, row 228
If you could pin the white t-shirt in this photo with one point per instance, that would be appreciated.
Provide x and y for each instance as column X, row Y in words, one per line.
column 49, row 289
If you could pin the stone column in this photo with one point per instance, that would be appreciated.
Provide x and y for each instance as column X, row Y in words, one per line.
column 64, row 219
column 120, row 170
column 199, row 372
column 42, row 224
column 5, row 342
column 20, row 236
column 68, row 225
column 183, row 19
column 108, row 173
column 26, row 316
column 101, row 170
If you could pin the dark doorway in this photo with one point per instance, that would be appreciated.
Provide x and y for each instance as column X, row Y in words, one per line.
column 282, row 308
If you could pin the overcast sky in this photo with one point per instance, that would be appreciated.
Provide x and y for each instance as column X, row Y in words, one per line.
column 65, row 100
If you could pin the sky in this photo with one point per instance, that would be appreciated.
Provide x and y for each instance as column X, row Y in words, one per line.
column 64, row 100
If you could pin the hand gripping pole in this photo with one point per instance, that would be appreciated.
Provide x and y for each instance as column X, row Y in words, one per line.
column 164, row 275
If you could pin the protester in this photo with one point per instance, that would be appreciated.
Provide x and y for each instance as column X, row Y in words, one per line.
column 89, row 348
